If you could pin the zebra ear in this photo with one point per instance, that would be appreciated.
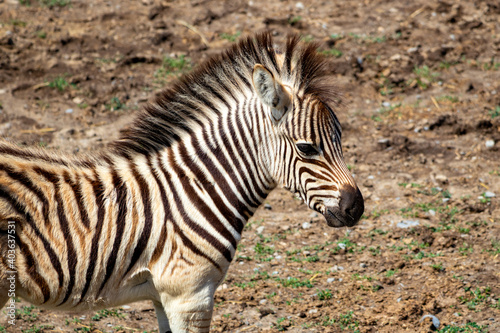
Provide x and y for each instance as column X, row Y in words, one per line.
column 271, row 92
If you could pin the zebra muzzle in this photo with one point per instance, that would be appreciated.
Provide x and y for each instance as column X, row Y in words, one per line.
column 349, row 210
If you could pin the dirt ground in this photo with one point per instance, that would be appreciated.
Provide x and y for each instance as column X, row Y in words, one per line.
column 421, row 82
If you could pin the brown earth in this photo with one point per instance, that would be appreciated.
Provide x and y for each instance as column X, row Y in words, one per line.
column 421, row 81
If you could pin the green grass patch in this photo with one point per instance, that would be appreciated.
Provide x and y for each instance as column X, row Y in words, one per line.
column 333, row 52
column 467, row 328
column 230, row 37
column 172, row 67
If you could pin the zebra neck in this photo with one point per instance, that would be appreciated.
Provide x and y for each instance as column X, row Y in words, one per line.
column 218, row 174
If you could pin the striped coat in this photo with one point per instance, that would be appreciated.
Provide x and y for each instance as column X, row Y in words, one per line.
column 158, row 215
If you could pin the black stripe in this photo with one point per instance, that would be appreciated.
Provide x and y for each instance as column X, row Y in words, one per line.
column 21, row 210
column 72, row 258
column 76, row 187
column 23, row 179
column 121, row 202
column 148, row 217
column 168, row 217
column 191, row 224
column 201, row 205
column 98, row 189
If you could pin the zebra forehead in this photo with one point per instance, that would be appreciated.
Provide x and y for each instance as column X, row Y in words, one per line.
column 220, row 83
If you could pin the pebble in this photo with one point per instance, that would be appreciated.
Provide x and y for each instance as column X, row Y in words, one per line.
column 435, row 320
column 127, row 307
column 362, row 265
column 260, row 229
column 489, row 143
column 68, row 111
column 299, row 5
column 489, row 194
column 313, row 311
column 330, row 280
column 268, row 206
column 336, row 268
column 306, row 225
column 263, row 301
column 386, row 105
column 432, row 212
column 341, row 245
column 407, row 224
column 442, row 178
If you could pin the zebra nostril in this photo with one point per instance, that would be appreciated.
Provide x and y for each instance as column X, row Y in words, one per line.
column 351, row 203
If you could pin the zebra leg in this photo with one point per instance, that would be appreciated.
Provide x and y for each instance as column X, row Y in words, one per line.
column 190, row 314
column 161, row 316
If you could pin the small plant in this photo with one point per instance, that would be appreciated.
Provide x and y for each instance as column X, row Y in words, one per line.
column 115, row 104
column 41, row 34
column 172, row 66
column 494, row 112
column 294, row 20
column 26, row 313
column 391, row 272
column 54, row 3
column 105, row 313
column 438, row 267
column 294, row 282
column 230, row 37
column 424, row 77
column 333, row 52
column 475, row 297
column 60, row 83
column 324, row 294
column 467, row 328
column 282, row 323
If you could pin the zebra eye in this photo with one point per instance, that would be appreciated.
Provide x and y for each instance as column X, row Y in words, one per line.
column 307, row 149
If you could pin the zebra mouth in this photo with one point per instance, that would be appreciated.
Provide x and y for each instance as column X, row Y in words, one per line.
column 336, row 218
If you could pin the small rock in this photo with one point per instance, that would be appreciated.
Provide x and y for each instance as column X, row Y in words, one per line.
column 432, row 212
column 362, row 265
column 68, row 111
column 435, row 320
column 126, row 307
column 383, row 143
column 313, row 311
column 299, row 5
column 78, row 100
column 407, row 224
column 306, row 225
column 341, row 246
column 489, row 194
column 330, row 280
column 442, row 179
column 260, row 229
column 489, row 143
column 263, row 301
column 268, row 206
column 386, row 105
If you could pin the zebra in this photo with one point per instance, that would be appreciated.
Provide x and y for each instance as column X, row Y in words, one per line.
column 158, row 214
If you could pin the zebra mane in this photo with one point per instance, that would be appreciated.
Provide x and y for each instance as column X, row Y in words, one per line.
column 199, row 95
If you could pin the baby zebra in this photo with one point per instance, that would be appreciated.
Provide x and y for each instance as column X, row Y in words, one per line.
column 158, row 214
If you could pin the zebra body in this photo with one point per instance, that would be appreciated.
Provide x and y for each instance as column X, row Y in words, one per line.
column 158, row 215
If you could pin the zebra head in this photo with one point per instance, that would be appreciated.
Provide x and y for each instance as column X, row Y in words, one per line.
column 306, row 137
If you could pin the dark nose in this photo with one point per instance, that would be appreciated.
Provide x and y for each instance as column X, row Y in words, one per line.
column 351, row 204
